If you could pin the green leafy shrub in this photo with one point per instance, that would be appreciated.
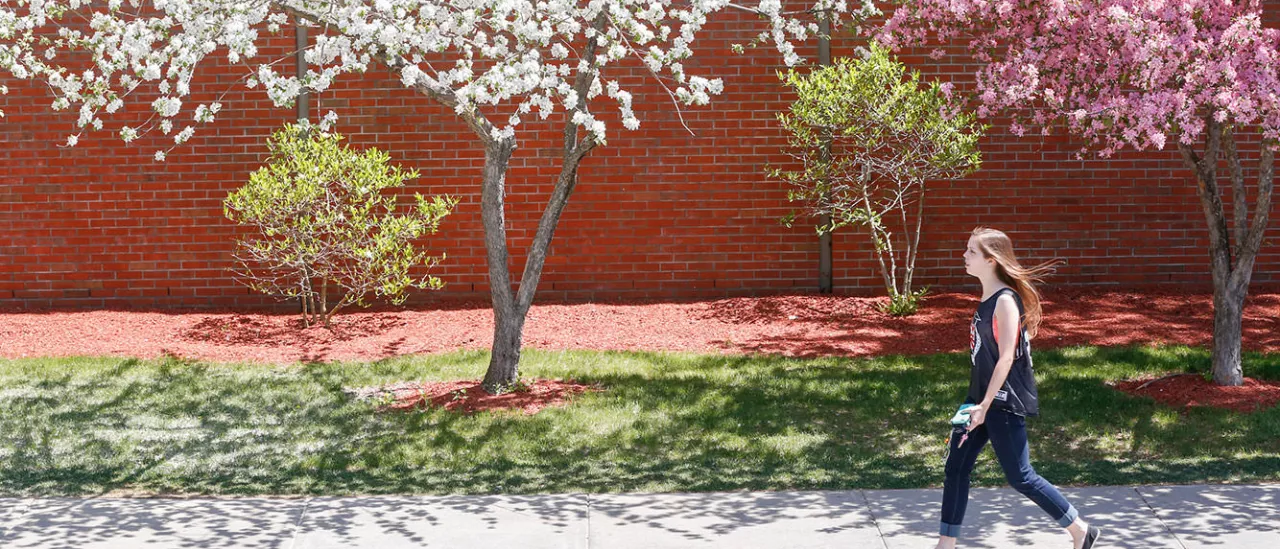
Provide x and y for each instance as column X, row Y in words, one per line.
column 322, row 216
column 868, row 137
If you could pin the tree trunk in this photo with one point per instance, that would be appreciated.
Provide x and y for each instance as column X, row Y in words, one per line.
column 826, row 278
column 324, row 301
column 308, row 301
column 510, row 311
column 879, row 244
column 306, row 320
column 1228, row 312
column 913, row 245
column 504, row 360
column 1231, row 275
column 328, row 316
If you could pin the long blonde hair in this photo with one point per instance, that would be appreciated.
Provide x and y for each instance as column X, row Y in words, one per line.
column 996, row 245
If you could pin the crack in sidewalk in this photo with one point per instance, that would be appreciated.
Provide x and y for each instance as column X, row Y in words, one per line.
column 297, row 526
column 1138, row 490
column 874, row 522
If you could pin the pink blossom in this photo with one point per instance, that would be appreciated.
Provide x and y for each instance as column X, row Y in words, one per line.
column 1155, row 70
column 1157, row 139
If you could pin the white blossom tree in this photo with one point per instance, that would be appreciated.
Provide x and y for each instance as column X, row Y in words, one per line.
column 493, row 62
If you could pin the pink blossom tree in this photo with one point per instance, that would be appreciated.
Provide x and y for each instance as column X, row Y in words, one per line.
column 1192, row 74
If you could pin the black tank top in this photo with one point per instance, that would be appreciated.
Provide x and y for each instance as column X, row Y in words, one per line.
column 1018, row 395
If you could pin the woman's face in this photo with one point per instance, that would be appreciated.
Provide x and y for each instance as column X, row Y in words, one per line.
column 974, row 262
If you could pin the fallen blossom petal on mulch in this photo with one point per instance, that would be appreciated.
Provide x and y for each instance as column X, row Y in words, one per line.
column 1186, row 390
column 792, row 325
column 468, row 396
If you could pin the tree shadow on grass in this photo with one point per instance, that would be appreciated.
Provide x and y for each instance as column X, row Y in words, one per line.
column 679, row 423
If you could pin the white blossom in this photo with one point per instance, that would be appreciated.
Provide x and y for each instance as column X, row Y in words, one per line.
column 166, row 106
column 204, row 114
column 330, row 118
column 86, row 115
column 526, row 53
column 409, row 75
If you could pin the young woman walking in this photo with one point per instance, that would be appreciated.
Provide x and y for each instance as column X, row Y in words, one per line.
column 1002, row 385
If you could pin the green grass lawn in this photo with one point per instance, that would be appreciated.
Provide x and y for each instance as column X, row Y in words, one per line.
column 667, row 422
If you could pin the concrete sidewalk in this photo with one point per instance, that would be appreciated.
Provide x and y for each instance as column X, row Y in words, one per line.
column 1165, row 517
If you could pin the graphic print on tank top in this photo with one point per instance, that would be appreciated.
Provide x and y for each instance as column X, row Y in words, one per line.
column 975, row 342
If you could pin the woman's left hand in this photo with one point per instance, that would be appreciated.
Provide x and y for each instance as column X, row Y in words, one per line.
column 977, row 415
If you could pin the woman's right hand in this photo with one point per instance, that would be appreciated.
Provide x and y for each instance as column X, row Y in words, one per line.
column 977, row 415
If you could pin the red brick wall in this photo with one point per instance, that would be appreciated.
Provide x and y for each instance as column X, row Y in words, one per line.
column 657, row 213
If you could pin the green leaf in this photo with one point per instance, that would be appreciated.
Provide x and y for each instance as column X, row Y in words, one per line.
column 320, row 212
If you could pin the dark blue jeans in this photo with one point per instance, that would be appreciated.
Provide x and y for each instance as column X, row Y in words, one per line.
column 1008, row 435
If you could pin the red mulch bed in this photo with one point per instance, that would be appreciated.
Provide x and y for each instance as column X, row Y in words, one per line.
column 469, row 397
column 794, row 325
column 1184, row 391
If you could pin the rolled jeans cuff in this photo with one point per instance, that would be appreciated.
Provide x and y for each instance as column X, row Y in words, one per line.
column 949, row 530
column 1068, row 518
